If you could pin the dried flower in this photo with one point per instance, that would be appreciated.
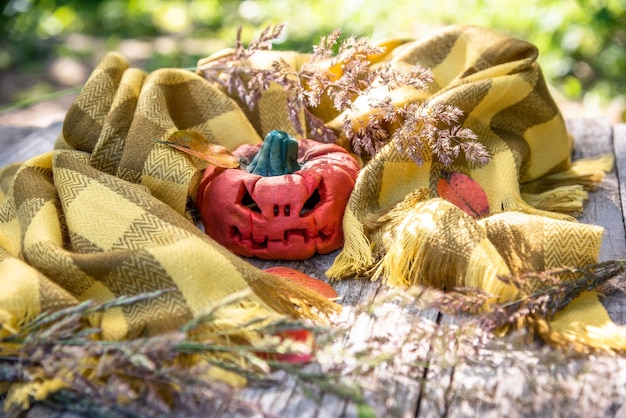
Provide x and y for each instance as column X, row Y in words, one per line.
column 152, row 376
column 540, row 295
column 341, row 70
column 543, row 294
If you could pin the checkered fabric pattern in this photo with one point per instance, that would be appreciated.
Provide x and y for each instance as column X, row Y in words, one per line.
column 399, row 230
column 107, row 214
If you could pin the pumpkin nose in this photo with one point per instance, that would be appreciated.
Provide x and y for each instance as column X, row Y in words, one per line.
column 286, row 210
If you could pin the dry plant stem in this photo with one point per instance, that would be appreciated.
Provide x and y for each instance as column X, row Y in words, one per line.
column 147, row 376
column 341, row 69
column 543, row 294
column 143, row 377
column 540, row 295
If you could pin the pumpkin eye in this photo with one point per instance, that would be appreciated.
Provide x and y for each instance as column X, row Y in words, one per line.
column 249, row 202
column 311, row 202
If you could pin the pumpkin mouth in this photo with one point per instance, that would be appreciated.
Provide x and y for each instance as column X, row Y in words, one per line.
column 311, row 237
column 289, row 237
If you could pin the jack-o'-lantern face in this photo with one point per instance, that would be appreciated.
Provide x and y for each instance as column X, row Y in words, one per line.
column 288, row 216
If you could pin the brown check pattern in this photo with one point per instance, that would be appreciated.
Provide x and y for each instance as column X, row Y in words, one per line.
column 106, row 214
column 398, row 230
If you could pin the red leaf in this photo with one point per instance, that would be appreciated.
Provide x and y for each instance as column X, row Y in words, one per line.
column 304, row 280
column 298, row 335
column 194, row 143
column 462, row 191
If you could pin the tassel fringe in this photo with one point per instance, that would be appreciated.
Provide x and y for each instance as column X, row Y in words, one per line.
column 588, row 172
column 356, row 255
column 560, row 199
column 292, row 299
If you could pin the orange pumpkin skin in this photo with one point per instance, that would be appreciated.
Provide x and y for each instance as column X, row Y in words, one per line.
column 284, row 217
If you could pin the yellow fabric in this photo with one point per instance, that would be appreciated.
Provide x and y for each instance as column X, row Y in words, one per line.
column 397, row 229
column 107, row 214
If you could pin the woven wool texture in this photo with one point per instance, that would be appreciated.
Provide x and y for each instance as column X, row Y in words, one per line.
column 397, row 229
column 106, row 214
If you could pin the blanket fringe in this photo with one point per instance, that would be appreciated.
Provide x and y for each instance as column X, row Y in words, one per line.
column 420, row 252
column 587, row 172
column 560, row 199
column 356, row 255
column 289, row 298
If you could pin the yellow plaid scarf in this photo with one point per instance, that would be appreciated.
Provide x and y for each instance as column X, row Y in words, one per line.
column 398, row 229
column 106, row 214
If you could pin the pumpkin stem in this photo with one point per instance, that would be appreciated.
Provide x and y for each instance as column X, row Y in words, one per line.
column 278, row 156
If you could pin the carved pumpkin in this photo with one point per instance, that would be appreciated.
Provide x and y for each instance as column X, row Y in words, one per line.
column 288, row 204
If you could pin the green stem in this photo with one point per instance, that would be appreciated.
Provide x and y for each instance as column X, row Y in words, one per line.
column 278, row 156
column 38, row 99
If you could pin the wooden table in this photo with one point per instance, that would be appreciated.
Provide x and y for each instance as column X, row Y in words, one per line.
column 420, row 363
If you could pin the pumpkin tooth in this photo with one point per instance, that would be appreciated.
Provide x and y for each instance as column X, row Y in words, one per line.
column 325, row 237
column 259, row 245
column 290, row 233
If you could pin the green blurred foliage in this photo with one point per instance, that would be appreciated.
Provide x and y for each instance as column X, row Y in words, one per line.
column 582, row 43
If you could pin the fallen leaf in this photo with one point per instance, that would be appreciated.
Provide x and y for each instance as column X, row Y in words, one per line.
column 196, row 144
column 301, row 336
column 460, row 190
column 304, row 280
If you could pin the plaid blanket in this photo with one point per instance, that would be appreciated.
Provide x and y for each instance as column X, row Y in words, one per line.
column 108, row 211
column 398, row 229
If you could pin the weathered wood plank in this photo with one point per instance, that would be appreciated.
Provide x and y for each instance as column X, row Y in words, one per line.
column 370, row 313
column 594, row 137
column 18, row 144
column 619, row 146
column 604, row 208
column 534, row 382
column 522, row 380
column 615, row 301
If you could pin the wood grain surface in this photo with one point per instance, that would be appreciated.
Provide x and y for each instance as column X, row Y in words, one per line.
column 423, row 378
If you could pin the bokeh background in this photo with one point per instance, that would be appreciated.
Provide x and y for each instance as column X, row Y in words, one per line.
column 49, row 46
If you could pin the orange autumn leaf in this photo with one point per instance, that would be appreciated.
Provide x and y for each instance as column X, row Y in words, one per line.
column 460, row 190
column 304, row 280
column 196, row 144
column 299, row 336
